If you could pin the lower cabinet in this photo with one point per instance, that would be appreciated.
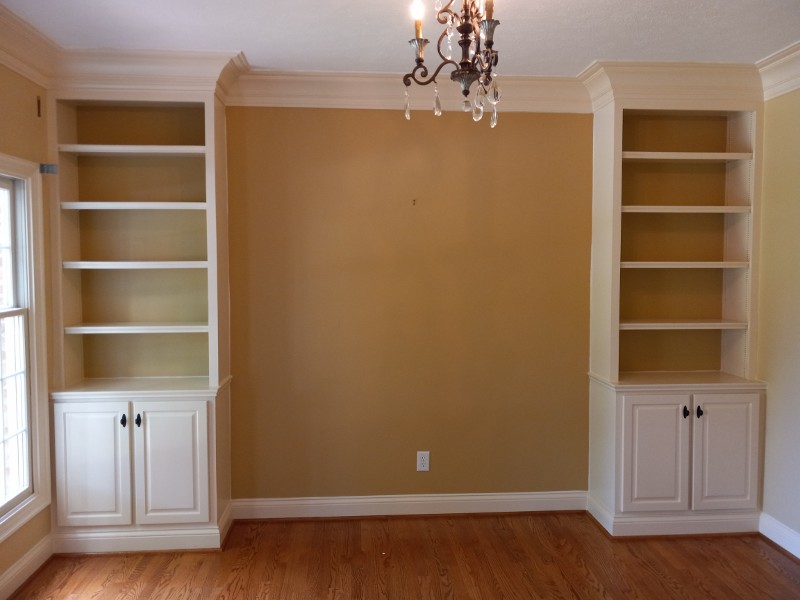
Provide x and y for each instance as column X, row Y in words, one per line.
column 690, row 451
column 131, row 462
column 674, row 457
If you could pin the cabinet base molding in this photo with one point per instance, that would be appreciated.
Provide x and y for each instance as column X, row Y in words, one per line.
column 620, row 525
column 87, row 542
column 783, row 535
column 416, row 504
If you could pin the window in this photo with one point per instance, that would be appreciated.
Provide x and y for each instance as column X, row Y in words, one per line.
column 24, row 467
column 15, row 480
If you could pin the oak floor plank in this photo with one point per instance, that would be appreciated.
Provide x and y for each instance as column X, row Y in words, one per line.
column 538, row 556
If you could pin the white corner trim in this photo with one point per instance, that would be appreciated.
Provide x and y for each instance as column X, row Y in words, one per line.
column 600, row 513
column 25, row 50
column 424, row 504
column 386, row 91
column 786, row 537
column 780, row 72
column 18, row 573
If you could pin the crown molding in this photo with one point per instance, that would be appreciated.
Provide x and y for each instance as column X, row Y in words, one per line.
column 698, row 86
column 25, row 50
column 780, row 72
column 84, row 72
column 247, row 87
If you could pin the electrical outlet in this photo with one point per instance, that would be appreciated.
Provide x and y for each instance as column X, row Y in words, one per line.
column 423, row 460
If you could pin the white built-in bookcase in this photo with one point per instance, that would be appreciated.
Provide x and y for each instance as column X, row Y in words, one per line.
column 138, row 246
column 140, row 385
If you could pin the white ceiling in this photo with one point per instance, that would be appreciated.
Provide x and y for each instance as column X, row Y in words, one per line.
column 536, row 37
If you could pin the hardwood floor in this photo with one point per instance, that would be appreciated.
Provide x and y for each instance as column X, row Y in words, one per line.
column 488, row 557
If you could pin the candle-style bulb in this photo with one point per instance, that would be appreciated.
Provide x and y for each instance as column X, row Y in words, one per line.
column 417, row 13
column 489, row 9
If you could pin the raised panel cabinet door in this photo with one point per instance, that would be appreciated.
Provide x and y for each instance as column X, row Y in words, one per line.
column 171, row 461
column 655, row 452
column 92, row 454
column 726, row 442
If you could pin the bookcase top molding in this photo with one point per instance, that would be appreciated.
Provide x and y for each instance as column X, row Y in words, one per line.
column 696, row 86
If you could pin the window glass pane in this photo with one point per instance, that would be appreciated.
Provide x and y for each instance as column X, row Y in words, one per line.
column 6, row 249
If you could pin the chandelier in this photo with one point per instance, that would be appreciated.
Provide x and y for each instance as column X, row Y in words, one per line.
column 474, row 28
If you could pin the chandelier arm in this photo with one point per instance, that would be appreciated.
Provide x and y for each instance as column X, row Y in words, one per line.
column 409, row 77
column 442, row 15
column 439, row 46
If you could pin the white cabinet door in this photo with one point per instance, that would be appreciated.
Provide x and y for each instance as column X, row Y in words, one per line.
column 92, row 453
column 171, row 471
column 655, row 452
column 726, row 435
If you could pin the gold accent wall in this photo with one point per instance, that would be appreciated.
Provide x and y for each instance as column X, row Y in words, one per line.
column 400, row 286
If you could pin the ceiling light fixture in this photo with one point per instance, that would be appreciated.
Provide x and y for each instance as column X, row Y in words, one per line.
column 475, row 29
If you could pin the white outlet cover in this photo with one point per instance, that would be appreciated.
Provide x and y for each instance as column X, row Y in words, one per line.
column 423, row 460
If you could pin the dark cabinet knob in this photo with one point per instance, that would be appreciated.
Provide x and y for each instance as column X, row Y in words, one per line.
column 138, row 420
column 124, row 420
column 686, row 412
column 699, row 412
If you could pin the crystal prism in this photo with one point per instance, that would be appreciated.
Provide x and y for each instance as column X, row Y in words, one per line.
column 408, row 106
column 480, row 96
column 493, row 121
column 437, row 103
column 494, row 92
column 477, row 112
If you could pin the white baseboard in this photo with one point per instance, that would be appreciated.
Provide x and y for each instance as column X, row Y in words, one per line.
column 786, row 537
column 87, row 541
column 18, row 573
column 422, row 504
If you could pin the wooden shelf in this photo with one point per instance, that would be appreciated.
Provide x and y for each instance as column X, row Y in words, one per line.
column 680, row 324
column 133, row 206
column 113, row 328
column 682, row 209
column 684, row 265
column 130, row 150
column 687, row 156
column 122, row 265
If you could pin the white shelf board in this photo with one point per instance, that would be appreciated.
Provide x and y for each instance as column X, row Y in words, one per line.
column 130, row 150
column 690, row 379
column 687, row 156
column 144, row 264
column 642, row 264
column 111, row 328
column 681, row 209
column 141, row 386
column 680, row 324
column 134, row 206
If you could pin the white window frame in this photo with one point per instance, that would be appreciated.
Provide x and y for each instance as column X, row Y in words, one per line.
column 29, row 193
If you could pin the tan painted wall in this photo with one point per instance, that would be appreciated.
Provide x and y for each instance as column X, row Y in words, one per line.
column 779, row 344
column 22, row 134
column 383, row 302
